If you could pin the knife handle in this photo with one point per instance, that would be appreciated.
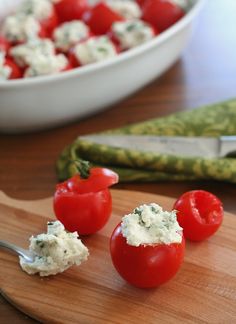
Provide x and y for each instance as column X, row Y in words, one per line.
column 228, row 146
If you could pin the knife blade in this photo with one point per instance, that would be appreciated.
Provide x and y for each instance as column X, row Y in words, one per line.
column 207, row 147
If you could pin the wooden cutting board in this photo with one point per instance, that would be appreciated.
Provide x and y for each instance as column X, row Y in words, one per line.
column 203, row 291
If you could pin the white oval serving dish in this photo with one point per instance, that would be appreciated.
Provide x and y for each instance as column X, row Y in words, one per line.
column 48, row 101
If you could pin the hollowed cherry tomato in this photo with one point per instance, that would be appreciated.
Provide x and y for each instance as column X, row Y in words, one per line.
column 161, row 13
column 145, row 266
column 68, row 10
column 100, row 18
column 199, row 213
column 83, row 203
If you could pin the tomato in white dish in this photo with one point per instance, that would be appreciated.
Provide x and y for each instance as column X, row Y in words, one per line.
column 43, row 11
column 8, row 68
column 94, row 49
column 82, row 32
column 147, row 247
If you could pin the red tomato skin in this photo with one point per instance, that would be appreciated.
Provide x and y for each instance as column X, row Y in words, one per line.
column 85, row 205
column 145, row 266
column 49, row 24
column 73, row 59
column 98, row 179
column 4, row 44
column 16, row 72
column 85, row 213
column 100, row 18
column 161, row 13
column 199, row 213
column 68, row 10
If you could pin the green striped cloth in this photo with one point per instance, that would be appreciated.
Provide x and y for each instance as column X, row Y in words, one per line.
column 133, row 165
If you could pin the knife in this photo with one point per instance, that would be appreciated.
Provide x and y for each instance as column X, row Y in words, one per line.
column 207, row 147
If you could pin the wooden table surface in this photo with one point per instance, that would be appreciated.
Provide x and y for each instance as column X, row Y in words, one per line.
column 204, row 74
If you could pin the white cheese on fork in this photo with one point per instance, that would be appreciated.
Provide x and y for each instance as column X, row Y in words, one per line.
column 55, row 251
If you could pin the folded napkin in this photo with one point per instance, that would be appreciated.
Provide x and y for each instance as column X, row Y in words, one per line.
column 133, row 165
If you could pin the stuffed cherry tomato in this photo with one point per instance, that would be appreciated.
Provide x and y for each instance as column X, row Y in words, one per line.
column 68, row 10
column 83, row 203
column 43, row 11
column 161, row 13
column 200, row 213
column 147, row 247
column 100, row 18
column 91, row 50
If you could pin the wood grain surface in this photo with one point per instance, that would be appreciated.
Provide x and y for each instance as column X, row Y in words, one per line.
column 204, row 74
column 204, row 290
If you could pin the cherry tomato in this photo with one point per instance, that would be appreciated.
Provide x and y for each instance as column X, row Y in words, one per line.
column 50, row 23
column 4, row 44
column 145, row 266
column 16, row 72
column 141, row 2
column 68, row 10
column 199, row 213
column 85, row 204
column 161, row 13
column 100, row 18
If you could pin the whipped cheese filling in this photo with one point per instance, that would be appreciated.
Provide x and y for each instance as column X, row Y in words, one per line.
column 132, row 33
column 20, row 28
column 184, row 4
column 55, row 251
column 24, row 54
column 149, row 224
column 70, row 33
column 95, row 49
column 5, row 71
column 40, row 9
column 128, row 9
column 46, row 65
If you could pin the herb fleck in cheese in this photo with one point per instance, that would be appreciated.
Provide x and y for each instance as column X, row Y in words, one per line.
column 55, row 251
column 149, row 224
column 132, row 33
